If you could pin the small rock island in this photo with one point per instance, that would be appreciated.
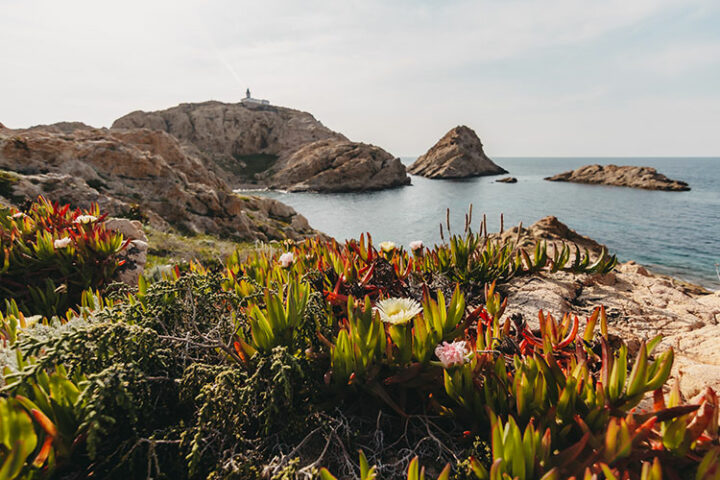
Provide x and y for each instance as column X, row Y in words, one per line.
column 459, row 154
column 621, row 176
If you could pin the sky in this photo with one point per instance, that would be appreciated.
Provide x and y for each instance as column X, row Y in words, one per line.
column 532, row 78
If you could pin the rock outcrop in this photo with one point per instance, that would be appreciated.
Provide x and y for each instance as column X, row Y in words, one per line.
column 621, row 176
column 254, row 145
column 137, row 173
column 338, row 166
column 506, row 180
column 134, row 256
column 639, row 304
column 458, row 154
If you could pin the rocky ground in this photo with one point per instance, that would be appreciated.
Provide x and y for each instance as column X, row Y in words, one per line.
column 640, row 304
column 269, row 146
column 139, row 174
column 628, row 176
column 458, row 154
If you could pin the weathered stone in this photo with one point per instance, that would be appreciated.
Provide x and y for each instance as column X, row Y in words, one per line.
column 135, row 254
column 265, row 145
column 141, row 173
column 640, row 305
column 507, row 180
column 339, row 166
column 458, row 154
column 628, row 176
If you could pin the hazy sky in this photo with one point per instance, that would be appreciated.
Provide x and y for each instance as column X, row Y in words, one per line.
column 553, row 77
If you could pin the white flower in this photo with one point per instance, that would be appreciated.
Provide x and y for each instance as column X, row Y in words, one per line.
column 32, row 320
column 398, row 311
column 18, row 215
column 452, row 354
column 62, row 242
column 286, row 259
column 85, row 219
column 387, row 247
column 416, row 245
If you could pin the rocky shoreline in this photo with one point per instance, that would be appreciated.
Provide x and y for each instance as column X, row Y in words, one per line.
column 640, row 304
column 621, row 176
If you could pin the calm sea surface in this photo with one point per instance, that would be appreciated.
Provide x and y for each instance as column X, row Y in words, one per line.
column 672, row 232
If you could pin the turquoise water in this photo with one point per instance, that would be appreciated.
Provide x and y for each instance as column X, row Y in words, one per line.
column 671, row 232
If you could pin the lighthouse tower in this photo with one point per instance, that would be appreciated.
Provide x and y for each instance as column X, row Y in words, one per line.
column 255, row 101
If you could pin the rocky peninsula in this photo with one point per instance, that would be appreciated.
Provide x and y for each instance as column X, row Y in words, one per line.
column 137, row 173
column 621, row 176
column 259, row 145
column 458, row 154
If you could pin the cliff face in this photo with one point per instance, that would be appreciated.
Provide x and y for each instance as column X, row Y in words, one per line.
column 265, row 145
column 621, row 176
column 136, row 172
column 458, row 154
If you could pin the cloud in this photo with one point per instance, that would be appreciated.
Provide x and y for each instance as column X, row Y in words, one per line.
column 396, row 73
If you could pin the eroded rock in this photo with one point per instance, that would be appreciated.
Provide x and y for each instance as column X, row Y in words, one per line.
column 458, row 154
column 640, row 305
column 140, row 174
column 621, row 176
column 255, row 145
column 339, row 166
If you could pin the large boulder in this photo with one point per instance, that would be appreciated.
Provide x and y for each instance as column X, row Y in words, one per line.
column 621, row 176
column 339, row 166
column 136, row 173
column 458, row 154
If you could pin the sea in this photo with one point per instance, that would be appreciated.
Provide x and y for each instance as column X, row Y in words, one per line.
column 675, row 233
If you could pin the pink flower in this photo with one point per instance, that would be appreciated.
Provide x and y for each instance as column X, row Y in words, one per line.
column 286, row 259
column 452, row 354
column 18, row 215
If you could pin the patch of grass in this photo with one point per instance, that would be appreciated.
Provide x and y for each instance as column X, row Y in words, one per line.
column 173, row 248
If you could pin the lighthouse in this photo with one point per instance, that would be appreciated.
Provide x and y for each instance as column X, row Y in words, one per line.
column 255, row 101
